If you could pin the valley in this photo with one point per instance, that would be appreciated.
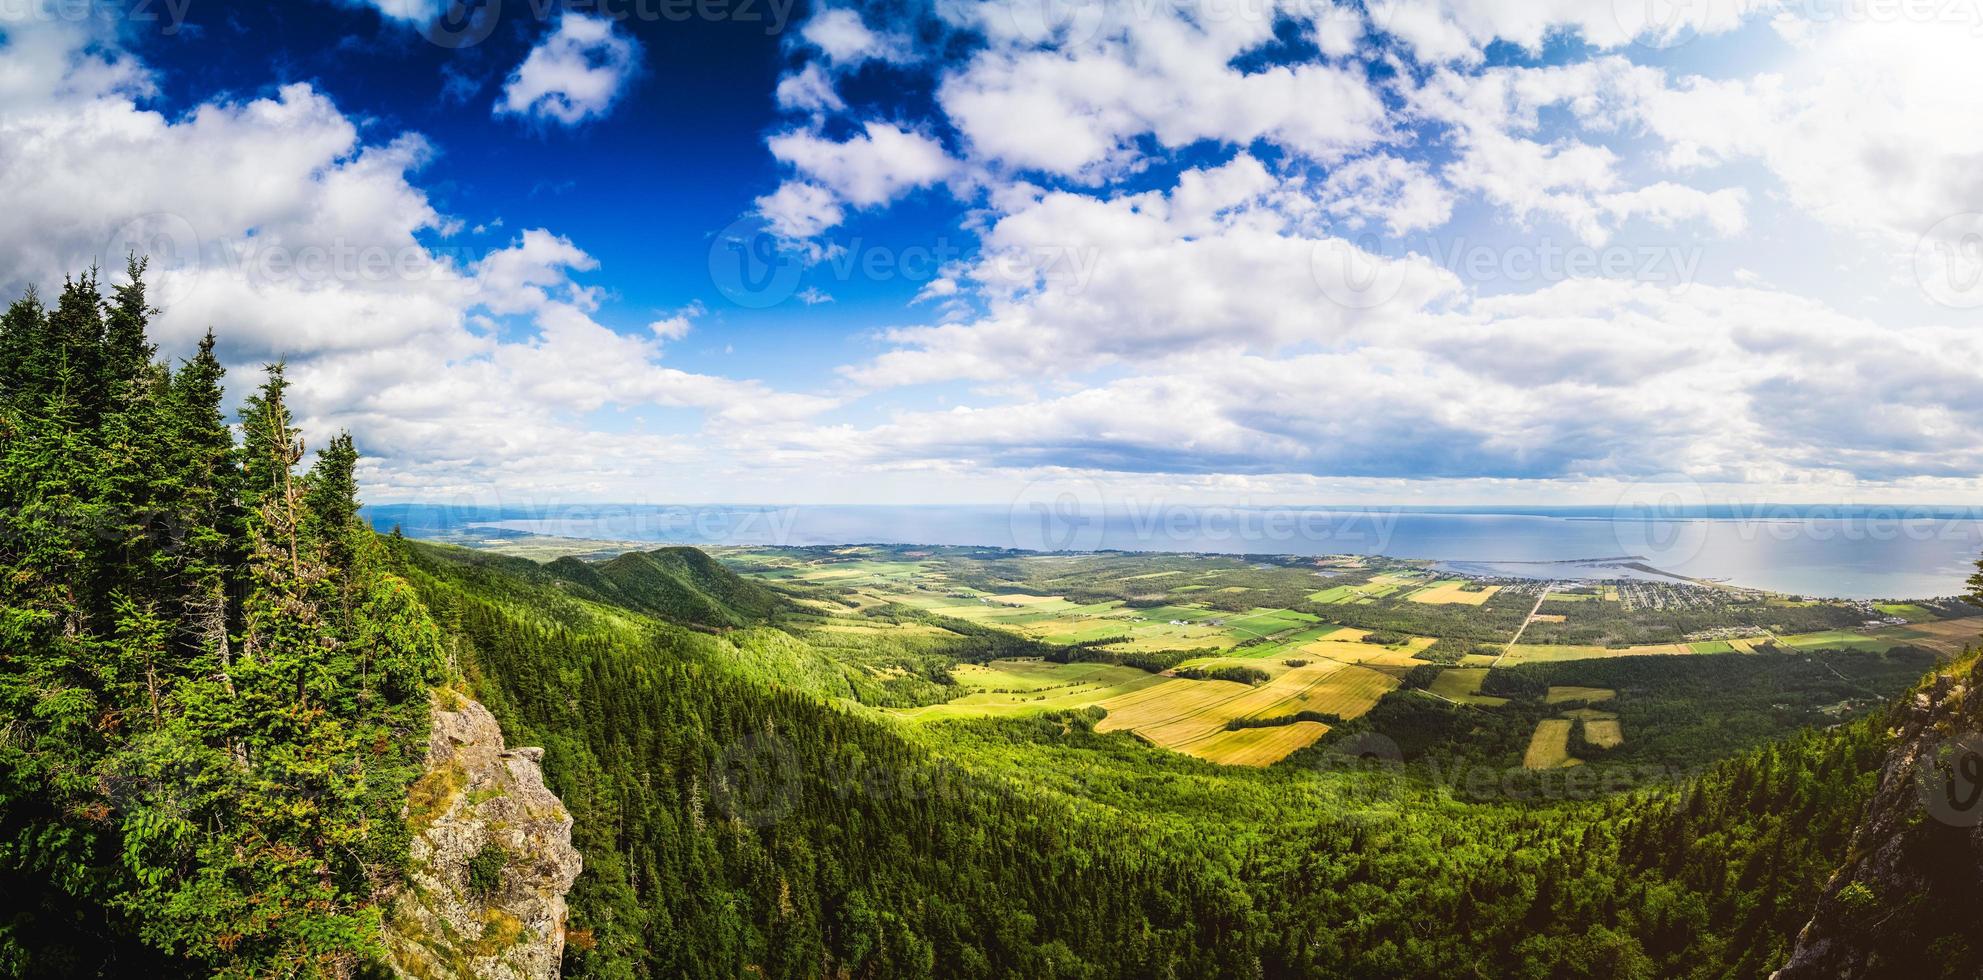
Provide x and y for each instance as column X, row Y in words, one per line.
column 1204, row 655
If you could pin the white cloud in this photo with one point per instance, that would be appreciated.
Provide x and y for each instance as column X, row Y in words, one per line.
column 1074, row 282
column 1401, row 195
column 1870, row 125
column 808, row 90
column 513, row 280
column 1076, row 111
column 575, row 73
column 677, row 325
column 1580, row 380
column 845, row 40
column 411, row 11
column 294, row 237
column 875, row 167
column 1458, row 30
column 800, row 210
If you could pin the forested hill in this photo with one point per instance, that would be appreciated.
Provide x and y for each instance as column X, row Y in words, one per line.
column 738, row 818
column 681, row 585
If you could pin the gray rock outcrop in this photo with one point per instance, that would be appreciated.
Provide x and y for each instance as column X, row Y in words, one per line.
column 491, row 854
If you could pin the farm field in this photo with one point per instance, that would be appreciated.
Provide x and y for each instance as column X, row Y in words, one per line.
column 1949, row 635
column 1191, row 715
column 1454, row 592
column 1305, row 624
column 1016, row 687
column 1604, row 733
column 1560, row 695
column 1549, row 747
column 1462, row 684
column 1258, row 746
column 1525, row 653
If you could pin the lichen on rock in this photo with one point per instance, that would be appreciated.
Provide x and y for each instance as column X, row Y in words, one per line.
column 462, row 912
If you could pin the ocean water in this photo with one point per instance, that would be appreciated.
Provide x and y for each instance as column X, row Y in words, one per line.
column 1867, row 552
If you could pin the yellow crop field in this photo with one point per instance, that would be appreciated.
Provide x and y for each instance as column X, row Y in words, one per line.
column 1550, row 617
column 1558, row 695
column 1167, row 702
column 1179, row 713
column 1451, row 592
column 1549, row 747
column 1603, row 732
column 1462, row 684
column 1257, row 746
column 1018, row 687
column 1346, row 646
column 1350, row 692
column 1528, row 653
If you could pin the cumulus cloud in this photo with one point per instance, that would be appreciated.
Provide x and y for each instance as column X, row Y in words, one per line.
column 1077, row 110
column 800, row 210
column 808, row 90
column 275, row 222
column 1578, row 381
column 575, row 73
column 1073, row 282
column 874, row 167
column 1458, row 30
column 845, row 40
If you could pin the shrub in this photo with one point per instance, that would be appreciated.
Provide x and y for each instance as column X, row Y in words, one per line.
column 485, row 869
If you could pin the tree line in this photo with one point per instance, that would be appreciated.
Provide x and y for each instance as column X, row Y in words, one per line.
column 212, row 685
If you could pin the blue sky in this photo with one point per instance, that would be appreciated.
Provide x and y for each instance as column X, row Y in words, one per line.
column 1233, row 251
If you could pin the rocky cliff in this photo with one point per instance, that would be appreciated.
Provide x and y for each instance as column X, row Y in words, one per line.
column 1909, row 900
column 491, row 854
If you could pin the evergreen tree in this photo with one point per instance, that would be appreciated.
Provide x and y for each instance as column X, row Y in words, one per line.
column 207, row 525
column 232, row 809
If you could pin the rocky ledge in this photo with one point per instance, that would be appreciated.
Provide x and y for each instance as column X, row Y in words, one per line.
column 491, row 858
column 1907, row 901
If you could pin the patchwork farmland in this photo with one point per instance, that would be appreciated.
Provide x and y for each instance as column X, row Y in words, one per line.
column 1243, row 661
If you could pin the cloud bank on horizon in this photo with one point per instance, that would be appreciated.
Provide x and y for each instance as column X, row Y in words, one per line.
column 1268, row 250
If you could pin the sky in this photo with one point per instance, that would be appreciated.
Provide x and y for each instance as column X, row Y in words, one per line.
column 1228, row 251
